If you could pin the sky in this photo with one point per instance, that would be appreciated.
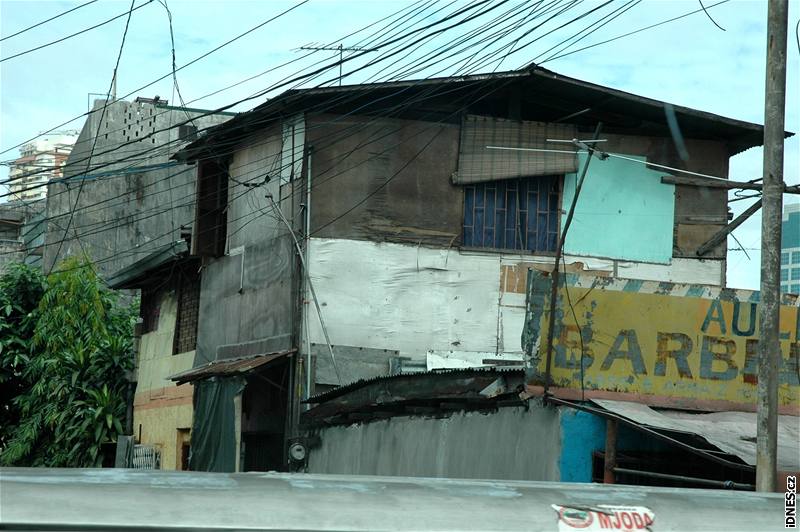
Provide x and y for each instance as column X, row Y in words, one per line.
column 689, row 62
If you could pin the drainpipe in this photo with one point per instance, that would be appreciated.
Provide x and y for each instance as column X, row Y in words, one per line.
column 610, row 464
column 306, row 295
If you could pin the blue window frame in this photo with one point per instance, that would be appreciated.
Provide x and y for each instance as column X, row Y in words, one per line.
column 785, row 274
column 796, row 274
column 784, row 258
column 795, row 289
column 518, row 214
column 795, row 257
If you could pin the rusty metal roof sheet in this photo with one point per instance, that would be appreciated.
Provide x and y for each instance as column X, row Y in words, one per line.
column 236, row 366
column 731, row 432
column 361, row 383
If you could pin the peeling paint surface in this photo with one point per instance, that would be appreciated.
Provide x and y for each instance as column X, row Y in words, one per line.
column 417, row 300
column 671, row 342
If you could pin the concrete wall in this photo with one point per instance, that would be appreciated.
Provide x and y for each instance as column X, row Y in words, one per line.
column 11, row 251
column 512, row 443
column 246, row 295
column 161, row 409
column 123, row 211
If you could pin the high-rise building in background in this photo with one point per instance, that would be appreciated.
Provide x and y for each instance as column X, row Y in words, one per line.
column 40, row 161
column 790, row 249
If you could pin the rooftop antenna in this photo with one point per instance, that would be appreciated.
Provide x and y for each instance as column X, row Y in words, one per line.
column 341, row 49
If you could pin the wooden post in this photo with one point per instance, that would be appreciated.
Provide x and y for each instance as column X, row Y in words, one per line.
column 611, row 452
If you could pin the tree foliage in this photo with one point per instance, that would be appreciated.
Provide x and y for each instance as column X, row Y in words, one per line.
column 65, row 348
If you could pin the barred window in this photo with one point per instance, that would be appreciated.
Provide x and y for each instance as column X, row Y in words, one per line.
column 513, row 214
column 188, row 307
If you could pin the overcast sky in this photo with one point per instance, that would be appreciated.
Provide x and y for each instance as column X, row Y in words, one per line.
column 689, row 62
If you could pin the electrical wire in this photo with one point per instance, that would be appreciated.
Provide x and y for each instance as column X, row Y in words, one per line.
column 616, row 156
column 255, row 76
column 606, row 20
column 47, row 20
column 476, row 92
column 193, row 61
column 282, row 84
column 102, row 114
column 357, row 205
column 62, row 39
column 154, row 148
column 316, row 72
column 628, row 34
column 709, row 15
column 580, row 329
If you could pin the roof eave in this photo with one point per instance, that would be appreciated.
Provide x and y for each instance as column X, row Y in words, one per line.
column 132, row 276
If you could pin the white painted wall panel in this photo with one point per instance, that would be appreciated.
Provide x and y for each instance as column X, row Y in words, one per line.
column 452, row 304
column 688, row 271
column 410, row 298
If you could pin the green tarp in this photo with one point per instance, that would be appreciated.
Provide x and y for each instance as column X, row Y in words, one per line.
column 214, row 426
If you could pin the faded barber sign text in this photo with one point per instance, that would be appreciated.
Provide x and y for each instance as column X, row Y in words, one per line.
column 673, row 348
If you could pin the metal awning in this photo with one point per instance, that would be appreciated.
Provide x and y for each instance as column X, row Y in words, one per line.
column 228, row 367
column 731, row 432
column 140, row 272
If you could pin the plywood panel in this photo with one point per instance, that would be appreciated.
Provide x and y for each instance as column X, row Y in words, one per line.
column 623, row 212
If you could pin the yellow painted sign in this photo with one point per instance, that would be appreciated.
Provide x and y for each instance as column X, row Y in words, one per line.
column 675, row 350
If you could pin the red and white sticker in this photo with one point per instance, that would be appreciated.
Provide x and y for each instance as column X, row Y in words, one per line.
column 604, row 517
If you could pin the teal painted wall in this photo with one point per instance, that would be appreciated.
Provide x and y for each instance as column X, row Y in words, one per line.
column 623, row 212
column 583, row 433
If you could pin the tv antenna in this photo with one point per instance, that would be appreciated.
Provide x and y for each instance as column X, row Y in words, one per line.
column 341, row 49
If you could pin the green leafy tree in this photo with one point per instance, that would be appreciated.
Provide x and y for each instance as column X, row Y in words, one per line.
column 73, row 374
column 21, row 289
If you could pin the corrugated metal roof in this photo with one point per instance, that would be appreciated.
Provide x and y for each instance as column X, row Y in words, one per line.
column 137, row 273
column 237, row 366
column 587, row 102
column 347, row 388
column 731, row 432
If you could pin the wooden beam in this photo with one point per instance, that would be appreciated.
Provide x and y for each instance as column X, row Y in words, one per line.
column 610, row 462
column 723, row 233
column 717, row 183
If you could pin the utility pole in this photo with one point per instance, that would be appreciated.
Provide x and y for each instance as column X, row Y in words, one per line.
column 589, row 146
column 769, row 352
column 341, row 49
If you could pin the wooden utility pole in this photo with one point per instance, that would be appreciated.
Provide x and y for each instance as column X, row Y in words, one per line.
column 772, row 199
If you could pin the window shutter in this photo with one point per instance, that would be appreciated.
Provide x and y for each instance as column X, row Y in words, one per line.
column 477, row 163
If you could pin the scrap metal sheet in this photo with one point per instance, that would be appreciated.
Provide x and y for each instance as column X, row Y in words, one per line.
column 732, row 432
